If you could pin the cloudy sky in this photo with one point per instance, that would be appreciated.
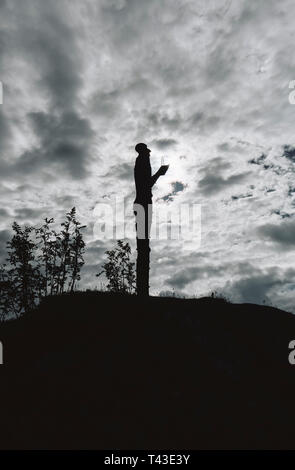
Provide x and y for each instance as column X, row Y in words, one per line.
column 204, row 83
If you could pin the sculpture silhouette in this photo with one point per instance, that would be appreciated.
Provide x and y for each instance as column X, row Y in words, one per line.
column 144, row 182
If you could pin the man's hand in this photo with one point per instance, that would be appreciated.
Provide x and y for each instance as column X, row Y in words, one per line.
column 163, row 170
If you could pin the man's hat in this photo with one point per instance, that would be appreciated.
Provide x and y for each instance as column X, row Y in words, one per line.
column 140, row 147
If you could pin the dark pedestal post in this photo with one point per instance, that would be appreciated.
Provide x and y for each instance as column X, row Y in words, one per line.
column 143, row 215
column 143, row 267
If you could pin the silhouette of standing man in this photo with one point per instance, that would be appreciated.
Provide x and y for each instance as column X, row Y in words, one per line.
column 144, row 182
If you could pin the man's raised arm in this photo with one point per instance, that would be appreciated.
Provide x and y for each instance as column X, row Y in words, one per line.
column 161, row 171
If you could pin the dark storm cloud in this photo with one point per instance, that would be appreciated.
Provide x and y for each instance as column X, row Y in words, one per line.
column 261, row 162
column 28, row 213
column 108, row 103
column 185, row 276
column 5, row 236
column 258, row 161
column 203, row 122
column 283, row 215
column 65, row 140
column 216, row 164
column 164, row 143
column 64, row 145
column 96, row 249
column 235, row 146
column 90, row 271
column 95, row 255
column 51, row 46
column 258, row 286
column 241, row 196
column 248, row 284
column 212, row 183
column 222, row 63
column 177, row 187
column 4, row 213
column 224, row 147
column 129, row 21
column 158, row 119
column 283, row 234
column 197, row 117
column 46, row 42
column 123, row 171
column 5, row 130
column 65, row 201
column 289, row 153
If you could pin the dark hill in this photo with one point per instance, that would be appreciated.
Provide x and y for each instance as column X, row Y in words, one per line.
column 96, row 371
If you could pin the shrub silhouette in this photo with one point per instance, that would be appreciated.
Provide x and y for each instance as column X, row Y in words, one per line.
column 40, row 262
column 119, row 269
column 61, row 254
column 22, row 274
